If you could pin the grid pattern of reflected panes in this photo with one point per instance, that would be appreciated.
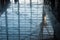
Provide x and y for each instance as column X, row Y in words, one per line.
column 21, row 21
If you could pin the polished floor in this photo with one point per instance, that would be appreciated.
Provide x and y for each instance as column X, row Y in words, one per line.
column 24, row 23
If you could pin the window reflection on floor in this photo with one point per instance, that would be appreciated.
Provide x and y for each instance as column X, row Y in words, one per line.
column 27, row 22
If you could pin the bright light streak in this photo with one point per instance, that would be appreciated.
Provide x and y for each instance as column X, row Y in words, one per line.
column 28, row 1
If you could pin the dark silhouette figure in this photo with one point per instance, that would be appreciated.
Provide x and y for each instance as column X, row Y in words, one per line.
column 3, row 5
column 16, row 1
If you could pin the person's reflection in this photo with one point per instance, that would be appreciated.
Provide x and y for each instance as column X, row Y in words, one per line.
column 43, row 24
column 44, row 19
